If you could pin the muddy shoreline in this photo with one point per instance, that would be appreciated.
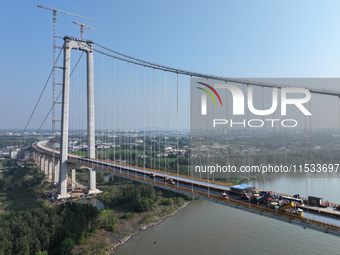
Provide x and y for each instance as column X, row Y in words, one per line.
column 141, row 227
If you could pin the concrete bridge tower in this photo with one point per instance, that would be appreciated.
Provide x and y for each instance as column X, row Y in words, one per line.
column 86, row 46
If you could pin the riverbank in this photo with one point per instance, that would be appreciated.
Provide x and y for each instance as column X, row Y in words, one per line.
column 108, row 241
column 142, row 228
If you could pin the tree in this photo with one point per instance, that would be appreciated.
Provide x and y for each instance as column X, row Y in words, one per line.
column 4, row 184
column 66, row 247
column 146, row 205
column 41, row 253
column 100, row 177
column 46, row 229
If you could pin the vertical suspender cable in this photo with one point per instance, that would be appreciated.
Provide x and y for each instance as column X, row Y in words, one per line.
column 144, row 138
column 120, row 117
column 165, row 120
column 264, row 133
column 102, row 128
column 226, row 136
column 177, row 138
column 274, row 139
column 286, row 145
column 310, row 129
column 128, row 116
column 84, row 121
column 159, row 121
column 248, row 158
column 114, row 110
column 152, row 105
column 244, row 135
column 112, row 113
column 339, row 114
column 101, row 134
column 103, row 131
column 305, row 139
column 107, row 108
column 310, row 118
column 207, row 159
column 123, row 94
column 189, row 138
column 109, row 125
column 137, row 115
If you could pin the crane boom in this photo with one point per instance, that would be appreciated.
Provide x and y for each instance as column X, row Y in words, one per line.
column 82, row 28
column 65, row 12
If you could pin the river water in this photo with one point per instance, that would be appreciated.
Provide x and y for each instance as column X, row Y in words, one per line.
column 207, row 228
column 93, row 201
column 327, row 188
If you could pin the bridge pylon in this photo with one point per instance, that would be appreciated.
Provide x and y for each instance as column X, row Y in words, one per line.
column 86, row 46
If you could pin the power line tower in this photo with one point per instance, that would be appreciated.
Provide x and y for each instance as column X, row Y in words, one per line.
column 54, row 68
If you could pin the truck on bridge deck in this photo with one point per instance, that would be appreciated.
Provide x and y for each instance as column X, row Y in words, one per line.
column 292, row 209
column 317, row 201
column 242, row 188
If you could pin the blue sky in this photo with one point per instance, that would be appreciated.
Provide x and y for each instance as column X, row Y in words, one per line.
column 227, row 38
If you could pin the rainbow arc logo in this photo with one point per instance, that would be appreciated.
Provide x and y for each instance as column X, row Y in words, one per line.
column 209, row 93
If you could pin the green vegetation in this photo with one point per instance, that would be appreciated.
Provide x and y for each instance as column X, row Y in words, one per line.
column 52, row 229
column 146, row 205
column 82, row 175
column 100, row 178
column 138, row 198
column 126, row 207
column 21, row 188
column 39, row 228
column 30, row 226
column 108, row 223
column 167, row 201
column 127, row 215
column 21, row 199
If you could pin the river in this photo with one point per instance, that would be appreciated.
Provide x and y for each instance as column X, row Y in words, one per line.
column 207, row 228
column 327, row 188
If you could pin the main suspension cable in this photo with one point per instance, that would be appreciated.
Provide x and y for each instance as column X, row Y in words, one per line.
column 144, row 63
column 58, row 94
column 42, row 92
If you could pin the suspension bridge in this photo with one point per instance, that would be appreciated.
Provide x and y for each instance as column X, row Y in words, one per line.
column 133, row 119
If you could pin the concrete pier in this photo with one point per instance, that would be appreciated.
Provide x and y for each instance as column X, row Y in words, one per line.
column 56, row 171
column 46, row 166
column 42, row 163
column 73, row 179
column 50, row 168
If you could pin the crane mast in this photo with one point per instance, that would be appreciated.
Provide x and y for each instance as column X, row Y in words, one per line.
column 82, row 28
column 54, row 67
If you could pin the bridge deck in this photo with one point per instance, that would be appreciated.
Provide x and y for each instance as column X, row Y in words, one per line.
column 200, row 188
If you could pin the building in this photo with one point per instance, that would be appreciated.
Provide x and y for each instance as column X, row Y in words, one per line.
column 13, row 154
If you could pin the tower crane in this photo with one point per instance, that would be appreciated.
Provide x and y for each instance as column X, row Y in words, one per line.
column 82, row 28
column 54, row 64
